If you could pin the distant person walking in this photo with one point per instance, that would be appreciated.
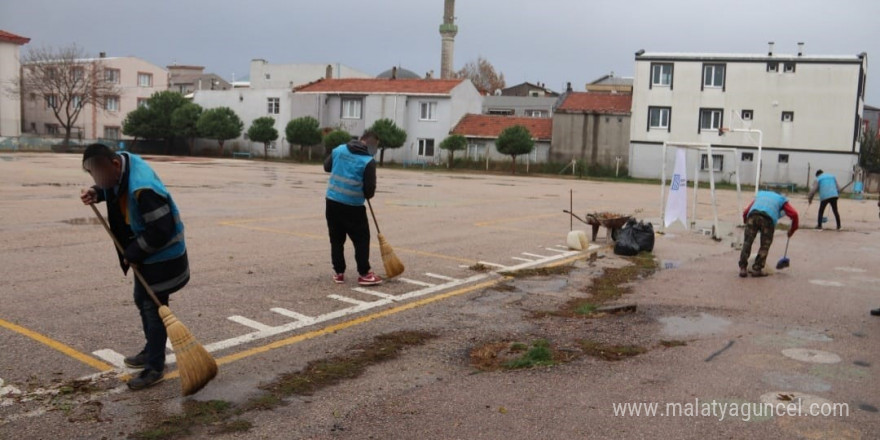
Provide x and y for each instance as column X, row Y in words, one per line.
column 829, row 190
column 761, row 216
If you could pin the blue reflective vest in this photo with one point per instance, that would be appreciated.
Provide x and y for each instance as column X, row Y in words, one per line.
column 827, row 186
column 769, row 203
column 140, row 177
column 346, row 184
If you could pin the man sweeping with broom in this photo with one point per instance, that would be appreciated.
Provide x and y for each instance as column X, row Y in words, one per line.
column 145, row 222
column 761, row 216
column 352, row 182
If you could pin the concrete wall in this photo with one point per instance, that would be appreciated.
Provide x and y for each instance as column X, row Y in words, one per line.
column 519, row 104
column 477, row 148
column 800, row 169
column 10, row 106
column 593, row 138
column 250, row 104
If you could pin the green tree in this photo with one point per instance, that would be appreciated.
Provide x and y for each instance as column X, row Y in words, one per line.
column 304, row 132
column 334, row 139
column 869, row 154
column 138, row 124
column 161, row 106
column 221, row 124
column 452, row 144
column 184, row 121
column 263, row 130
column 390, row 136
column 514, row 141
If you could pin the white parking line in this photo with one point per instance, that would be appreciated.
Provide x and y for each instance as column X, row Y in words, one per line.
column 486, row 263
column 522, row 259
column 112, row 357
column 562, row 251
column 292, row 314
column 439, row 277
column 528, row 254
column 374, row 293
column 249, row 323
column 356, row 302
column 417, row 283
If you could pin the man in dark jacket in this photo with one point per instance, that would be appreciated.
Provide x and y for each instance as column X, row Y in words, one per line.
column 145, row 220
column 352, row 181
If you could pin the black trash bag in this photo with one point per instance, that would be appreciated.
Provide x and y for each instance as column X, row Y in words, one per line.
column 644, row 236
column 626, row 244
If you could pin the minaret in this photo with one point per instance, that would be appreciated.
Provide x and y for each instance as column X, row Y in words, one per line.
column 448, row 30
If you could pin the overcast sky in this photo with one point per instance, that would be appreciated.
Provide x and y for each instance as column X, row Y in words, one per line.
column 551, row 41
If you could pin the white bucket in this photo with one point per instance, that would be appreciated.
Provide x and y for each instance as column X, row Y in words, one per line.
column 578, row 240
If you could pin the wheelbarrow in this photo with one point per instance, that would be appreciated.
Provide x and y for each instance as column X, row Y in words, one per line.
column 611, row 221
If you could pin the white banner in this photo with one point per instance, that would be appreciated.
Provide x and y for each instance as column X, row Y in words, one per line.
column 676, row 202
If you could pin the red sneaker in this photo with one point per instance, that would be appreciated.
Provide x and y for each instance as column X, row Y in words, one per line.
column 339, row 278
column 370, row 279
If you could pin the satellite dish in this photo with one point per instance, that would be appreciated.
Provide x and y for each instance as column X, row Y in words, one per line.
column 497, row 92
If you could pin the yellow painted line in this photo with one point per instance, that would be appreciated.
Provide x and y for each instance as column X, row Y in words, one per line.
column 60, row 346
column 363, row 319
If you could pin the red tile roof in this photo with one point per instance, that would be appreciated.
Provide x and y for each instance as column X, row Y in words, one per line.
column 9, row 37
column 596, row 102
column 381, row 85
column 491, row 126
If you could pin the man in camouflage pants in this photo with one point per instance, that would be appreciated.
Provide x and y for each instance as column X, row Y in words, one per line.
column 761, row 216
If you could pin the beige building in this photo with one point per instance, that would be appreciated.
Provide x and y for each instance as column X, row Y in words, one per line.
column 10, row 106
column 136, row 80
column 187, row 79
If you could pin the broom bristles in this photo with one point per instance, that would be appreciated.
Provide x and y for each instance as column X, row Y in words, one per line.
column 393, row 265
column 196, row 366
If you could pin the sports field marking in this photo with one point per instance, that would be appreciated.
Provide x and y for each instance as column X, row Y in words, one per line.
column 57, row 345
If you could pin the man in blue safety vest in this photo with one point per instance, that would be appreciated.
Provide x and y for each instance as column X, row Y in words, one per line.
column 829, row 190
column 762, row 215
column 352, row 181
column 144, row 218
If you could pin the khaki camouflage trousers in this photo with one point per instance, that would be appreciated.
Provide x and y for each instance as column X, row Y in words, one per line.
column 757, row 223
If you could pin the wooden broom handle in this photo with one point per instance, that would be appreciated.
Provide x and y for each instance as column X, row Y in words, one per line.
column 374, row 216
column 137, row 273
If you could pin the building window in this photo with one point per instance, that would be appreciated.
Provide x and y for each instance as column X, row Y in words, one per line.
column 51, row 101
column 145, row 80
column 428, row 111
column 78, row 74
column 783, row 158
column 711, row 119
column 787, row 116
column 788, row 68
column 352, row 108
column 748, row 157
column 111, row 132
column 142, row 102
column 274, row 106
column 773, row 66
column 111, row 104
column 77, row 101
column 537, row 114
column 426, row 147
column 661, row 75
column 658, row 117
column 111, row 76
column 747, row 115
column 717, row 162
column 50, row 73
column 534, row 94
column 713, row 75
column 501, row 111
column 51, row 128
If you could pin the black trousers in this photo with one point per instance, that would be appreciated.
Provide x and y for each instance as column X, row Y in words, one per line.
column 348, row 221
column 833, row 202
column 154, row 329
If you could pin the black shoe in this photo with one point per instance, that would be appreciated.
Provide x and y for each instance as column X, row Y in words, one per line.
column 743, row 272
column 875, row 312
column 757, row 273
column 146, row 379
column 136, row 362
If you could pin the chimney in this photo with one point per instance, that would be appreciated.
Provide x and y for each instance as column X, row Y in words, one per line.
column 328, row 74
column 568, row 87
column 429, row 75
column 800, row 48
column 102, row 55
column 394, row 72
column 770, row 50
